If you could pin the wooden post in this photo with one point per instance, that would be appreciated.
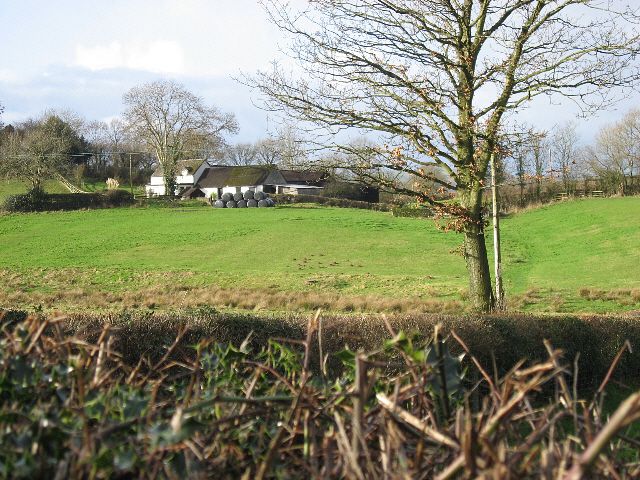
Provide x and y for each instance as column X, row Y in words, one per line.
column 500, row 303
column 130, row 175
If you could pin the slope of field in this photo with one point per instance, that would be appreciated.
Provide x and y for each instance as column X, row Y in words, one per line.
column 575, row 256
column 13, row 187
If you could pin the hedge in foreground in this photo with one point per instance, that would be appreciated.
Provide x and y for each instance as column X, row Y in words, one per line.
column 504, row 340
column 70, row 408
column 39, row 201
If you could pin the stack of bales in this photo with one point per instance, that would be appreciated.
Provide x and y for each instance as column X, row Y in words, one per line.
column 247, row 199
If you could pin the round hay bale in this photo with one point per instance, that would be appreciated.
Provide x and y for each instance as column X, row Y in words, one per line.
column 252, row 203
column 227, row 196
column 219, row 204
column 231, row 204
column 271, row 202
column 259, row 196
column 263, row 203
column 237, row 197
column 248, row 195
column 241, row 204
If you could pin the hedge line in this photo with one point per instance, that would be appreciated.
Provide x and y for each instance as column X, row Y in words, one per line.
column 508, row 339
column 332, row 202
column 38, row 201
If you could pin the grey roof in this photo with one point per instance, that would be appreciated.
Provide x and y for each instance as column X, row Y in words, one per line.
column 219, row 176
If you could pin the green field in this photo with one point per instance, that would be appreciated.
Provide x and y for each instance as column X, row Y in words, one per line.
column 12, row 187
column 580, row 256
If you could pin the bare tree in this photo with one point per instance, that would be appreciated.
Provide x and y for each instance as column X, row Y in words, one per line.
column 241, row 154
column 174, row 123
column 565, row 155
column 539, row 147
column 615, row 157
column 436, row 78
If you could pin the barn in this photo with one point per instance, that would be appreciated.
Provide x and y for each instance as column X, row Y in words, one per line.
column 201, row 178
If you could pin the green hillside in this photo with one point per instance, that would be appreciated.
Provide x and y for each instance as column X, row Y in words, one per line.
column 574, row 256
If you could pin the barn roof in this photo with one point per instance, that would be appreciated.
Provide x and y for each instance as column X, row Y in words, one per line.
column 218, row 177
column 303, row 177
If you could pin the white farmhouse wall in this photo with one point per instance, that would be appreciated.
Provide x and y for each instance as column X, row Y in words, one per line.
column 208, row 191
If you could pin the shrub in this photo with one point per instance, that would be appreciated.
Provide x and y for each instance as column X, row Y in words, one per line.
column 32, row 201
column 38, row 201
column 414, row 212
column 351, row 191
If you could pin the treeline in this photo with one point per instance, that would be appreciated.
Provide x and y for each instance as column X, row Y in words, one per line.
column 64, row 143
column 162, row 123
column 536, row 166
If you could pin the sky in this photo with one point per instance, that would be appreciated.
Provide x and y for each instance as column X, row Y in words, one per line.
column 84, row 54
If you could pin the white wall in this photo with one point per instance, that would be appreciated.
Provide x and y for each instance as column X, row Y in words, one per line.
column 153, row 190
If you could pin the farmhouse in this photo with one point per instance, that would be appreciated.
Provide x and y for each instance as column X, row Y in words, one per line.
column 188, row 171
column 202, row 178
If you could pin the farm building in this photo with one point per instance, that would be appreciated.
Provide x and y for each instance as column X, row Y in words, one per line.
column 202, row 179
column 188, row 171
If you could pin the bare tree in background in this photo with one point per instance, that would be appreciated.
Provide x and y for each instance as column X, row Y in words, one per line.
column 175, row 124
column 566, row 155
column 615, row 157
column 240, row 154
column 539, row 148
column 435, row 80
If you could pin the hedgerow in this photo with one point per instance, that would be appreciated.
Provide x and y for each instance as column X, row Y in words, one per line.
column 70, row 407
column 39, row 201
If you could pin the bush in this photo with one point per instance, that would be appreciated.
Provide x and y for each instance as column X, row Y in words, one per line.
column 351, row 191
column 414, row 212
column 38, row 201
column 118, row 198
column 32, row 201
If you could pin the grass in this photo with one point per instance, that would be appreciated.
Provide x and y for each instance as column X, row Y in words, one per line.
column 579, row 256
column 13, row 187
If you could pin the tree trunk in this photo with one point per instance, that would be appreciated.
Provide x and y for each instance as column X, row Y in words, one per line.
column 475, row 254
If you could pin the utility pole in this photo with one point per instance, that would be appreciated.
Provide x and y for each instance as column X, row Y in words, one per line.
column 130, row 175
column 500, row 303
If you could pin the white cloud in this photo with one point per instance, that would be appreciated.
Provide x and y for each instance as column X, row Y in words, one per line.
column 160, row 56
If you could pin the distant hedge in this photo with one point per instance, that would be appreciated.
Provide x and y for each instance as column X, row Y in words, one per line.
column 39, row 201
column 282, row 199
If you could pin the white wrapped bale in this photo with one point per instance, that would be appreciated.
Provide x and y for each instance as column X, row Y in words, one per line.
column 252, row 203
column 259, row 196
column 231, row 204
column 248, row 195
column 218, row 204
column 263, row 203
column 241, row 204
column 237, row 197
column 227, row 196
